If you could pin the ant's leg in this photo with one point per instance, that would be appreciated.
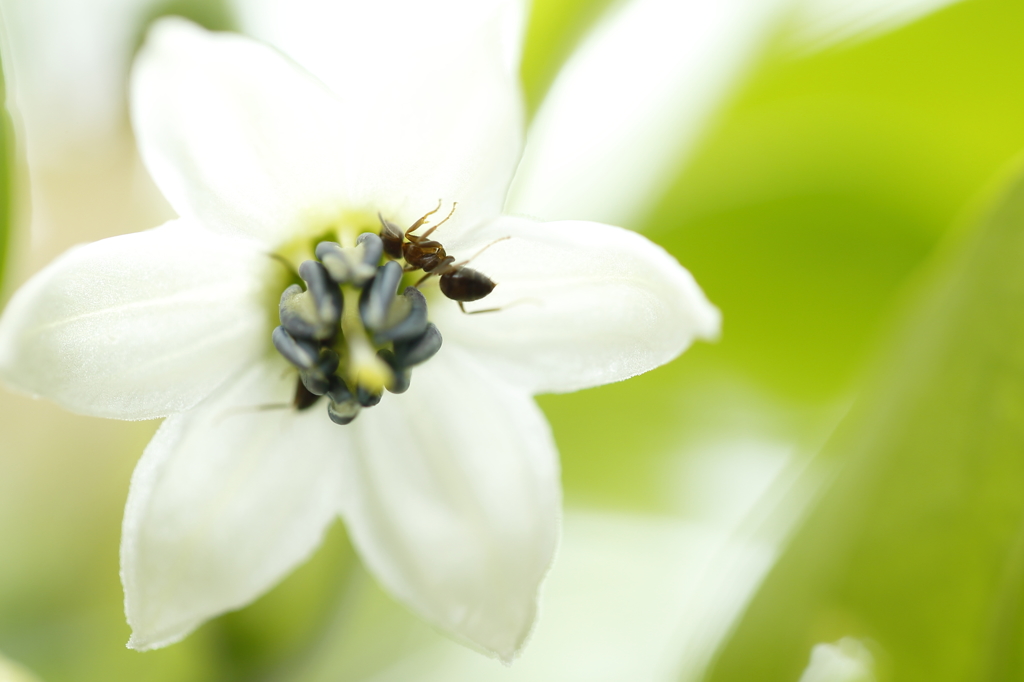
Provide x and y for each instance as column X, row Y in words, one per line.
column 419, row 223
column 477, row 312
column 423, row 279
column 466, row 262
column 236, row 411
column 439, row 269
column 462, row 307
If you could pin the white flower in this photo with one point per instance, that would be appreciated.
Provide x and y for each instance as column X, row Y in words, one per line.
column 449, row 491
column 848, row 660
column 631, row 103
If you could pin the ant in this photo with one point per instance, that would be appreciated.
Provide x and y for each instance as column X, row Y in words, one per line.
column 458, row 282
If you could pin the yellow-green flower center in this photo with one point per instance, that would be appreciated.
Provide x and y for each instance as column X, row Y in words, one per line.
column 349, row 332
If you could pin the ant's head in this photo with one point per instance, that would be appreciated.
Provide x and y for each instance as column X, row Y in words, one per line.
column 391, row 236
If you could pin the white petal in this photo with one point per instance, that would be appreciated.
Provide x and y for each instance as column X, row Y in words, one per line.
column 236, row 135
column 432, row 91
column 454, row 501
column 631, row 598
column 630, row 104
column 588, row 304
column 138, row 326
column 225, row 501
column 308, row 30
column 12, row 672
column 821, row 23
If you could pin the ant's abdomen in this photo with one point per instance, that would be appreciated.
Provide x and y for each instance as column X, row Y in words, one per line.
column 465, row 285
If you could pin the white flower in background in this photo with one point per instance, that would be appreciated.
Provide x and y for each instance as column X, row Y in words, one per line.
column 670, row 64
column 847, row 660
column 12, row 672
column 630, row 105
column 450, row 490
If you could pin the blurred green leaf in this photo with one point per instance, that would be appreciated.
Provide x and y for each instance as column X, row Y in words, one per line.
column 830, row 178
column 917, row 547
column 554, row 29
column 6, row 162
column 827, row 181
column 215, row 15
column 275, row 635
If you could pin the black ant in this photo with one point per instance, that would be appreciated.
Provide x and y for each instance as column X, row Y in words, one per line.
column 457, row 282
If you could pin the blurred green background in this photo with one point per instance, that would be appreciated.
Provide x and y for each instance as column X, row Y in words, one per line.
column 854, row 214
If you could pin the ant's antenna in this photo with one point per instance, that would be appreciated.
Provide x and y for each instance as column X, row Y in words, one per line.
column 427, row 233
column 419, row 223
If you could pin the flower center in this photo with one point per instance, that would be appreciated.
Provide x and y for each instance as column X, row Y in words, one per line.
column 349, row 333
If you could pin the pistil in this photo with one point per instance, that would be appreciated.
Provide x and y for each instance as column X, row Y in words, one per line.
column 365, row 369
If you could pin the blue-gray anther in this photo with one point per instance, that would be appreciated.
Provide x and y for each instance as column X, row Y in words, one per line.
column 412, row 324
column 302, row 354
column 356, row 265
column 326, row 297
column 376, row 300
column 402, row 375
column 422, row 348
column 367, row 398
column 297, row 314
column 343, row 407
column 373, row 245
column 317, row 379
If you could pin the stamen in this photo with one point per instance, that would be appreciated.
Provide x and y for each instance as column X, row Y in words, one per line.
column 326, row 297
column 298, row 313
column 366, row 397
column 314, row 313
column 402, row 375
column 317, row 379
column 348, row 332
column 374, row 248
column 356, row 265
column 343, row 407
column 302, row 354
column 376, row 300
column 412, row 324
column 420, row 349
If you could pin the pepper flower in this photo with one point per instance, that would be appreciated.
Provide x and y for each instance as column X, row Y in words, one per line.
column 341, row 322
